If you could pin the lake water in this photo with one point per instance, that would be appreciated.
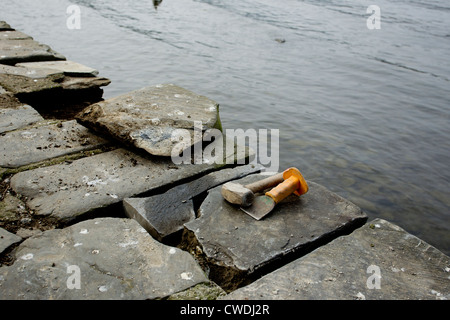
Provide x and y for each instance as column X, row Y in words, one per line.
column 363, row 112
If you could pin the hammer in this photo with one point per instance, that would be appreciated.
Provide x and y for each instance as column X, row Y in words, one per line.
column 243, row 195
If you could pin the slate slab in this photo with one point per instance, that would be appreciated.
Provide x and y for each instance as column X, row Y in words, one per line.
column 19, row 117
column 69, row 68
column 379, row 261
column 32, row 145
column 5, row 26
column 164, row 214
column 68, row 190
column 107, row 258
column 236, row 245
column 14, row 35
column 28, row 72
column 16, row 51
column 150, row 118
column 7, row 239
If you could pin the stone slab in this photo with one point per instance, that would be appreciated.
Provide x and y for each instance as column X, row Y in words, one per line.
column 164, row 214
column 14, row 35
column 113, row 259
column 5, row 26
column 69, row 68
column 233, row 240
column 379, row 261
column 83, row 83
column 68, row 190
column 17, row 51
column 22, row 116
column 7, row 239
column 28, row 72
column 150, row 118
column 23, row 85
column 23, row 147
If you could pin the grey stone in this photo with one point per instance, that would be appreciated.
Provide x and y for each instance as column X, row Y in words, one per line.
column 239, row 245
column 7, row 239
column 28, row 72
column 69, row 68
column 14, row 35
column 16, row 51
column 379, row 261
column 5, row 26
column 21, row 85
column 82, row 83
column 68, row 190
column 22, row 116
column 153, row 117
column 164, row 214
column 32, row 145
column 28, row 50
column 114, row 259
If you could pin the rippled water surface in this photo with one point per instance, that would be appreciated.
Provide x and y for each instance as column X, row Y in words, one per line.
column 363, row 112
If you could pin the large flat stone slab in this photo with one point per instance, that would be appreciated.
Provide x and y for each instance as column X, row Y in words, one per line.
column 69, row 68
column 5, row 26
column 16, row 51
column 14, row 35
column 32, row 145
column 28, row 72
column 7, row 239
column 150, row 118
column 107, row 258
column 16, row 118
column 236, row 245
column 379, row 261
column 68, row 190
column 164, row 214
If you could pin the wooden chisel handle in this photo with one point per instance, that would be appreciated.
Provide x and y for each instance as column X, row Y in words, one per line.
column 263, row 184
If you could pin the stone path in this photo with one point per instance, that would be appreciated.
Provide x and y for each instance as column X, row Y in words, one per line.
column 379, row 261
column 89, row 204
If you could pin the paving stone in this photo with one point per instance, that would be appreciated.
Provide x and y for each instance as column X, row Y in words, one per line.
column 83, row 83
column 69, row 68
column 23, row 85
column 151, row 117
column 105, row 258
column 7, row 239
column 28, row 72
column 4, row 26
column 19, row 117
column 23, row 147
column 379, row 261
column 68, row 190
column 16, row 51
column 237, row 245
column 14, row 35
column 164, row 214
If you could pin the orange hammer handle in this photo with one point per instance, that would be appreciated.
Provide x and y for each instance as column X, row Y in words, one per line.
column 284, row 189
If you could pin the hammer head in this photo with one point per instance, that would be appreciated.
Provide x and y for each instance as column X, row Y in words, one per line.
column 237, row 194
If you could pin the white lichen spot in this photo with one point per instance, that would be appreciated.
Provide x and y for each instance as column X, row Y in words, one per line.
column 114, row 196
column 172, row 251
column 360, row 296
column 84, row 231
column 87, row 194
column 127, row 244
column 27, row 256
column 377, row 225
column 187, row 276
column 447, row 269
column 77, row 244
column 155, row 121
column 102, row 289
column 95, row 251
